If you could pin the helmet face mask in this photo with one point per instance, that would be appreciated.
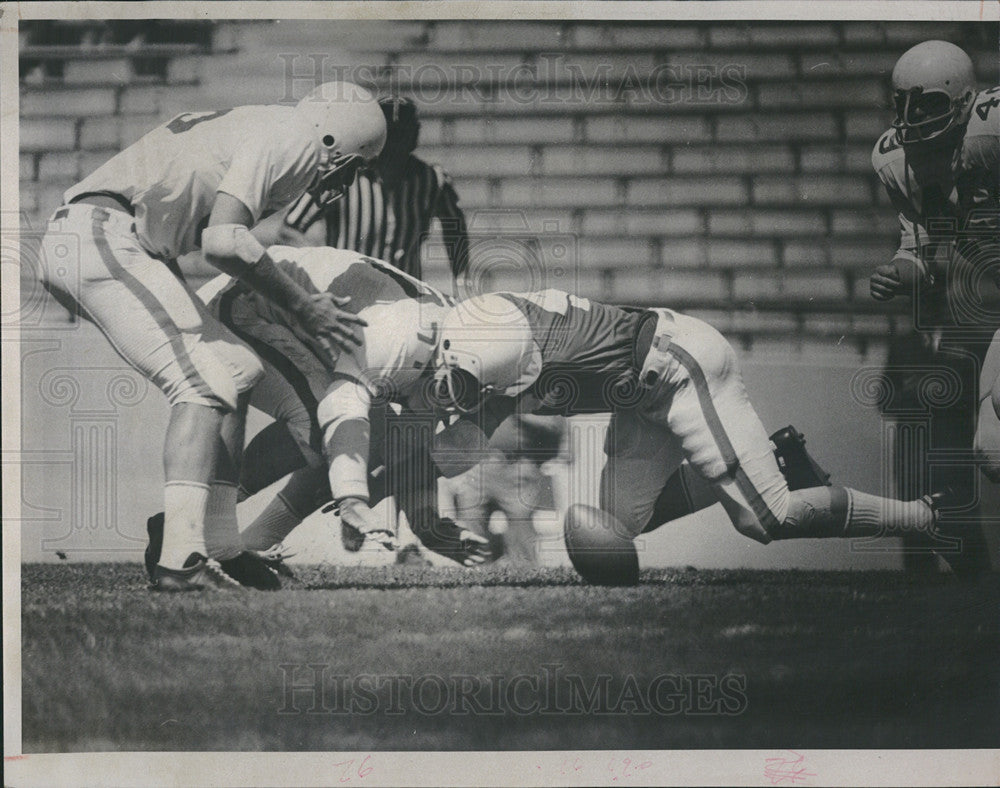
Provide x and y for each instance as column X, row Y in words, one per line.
column 457, row 390
column 933, row 89
column 922, row 116
column 334, row 178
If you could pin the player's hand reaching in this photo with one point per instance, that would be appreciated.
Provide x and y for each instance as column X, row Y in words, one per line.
column 355, row 513
column 446, row 537
column 886, row 282
column 333, row 327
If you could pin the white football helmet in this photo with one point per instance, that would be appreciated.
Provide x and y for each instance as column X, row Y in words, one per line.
column 349, row 128
column 933, row 88
column 486, row 347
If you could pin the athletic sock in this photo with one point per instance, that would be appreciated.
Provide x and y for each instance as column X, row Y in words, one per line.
column 871, row 515
column 271, row 526
column 222, row 531
column 184, row 507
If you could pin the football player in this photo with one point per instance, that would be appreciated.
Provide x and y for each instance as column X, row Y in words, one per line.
column 940, row 166
column 336, row 410
column 940, row 161
column 673, row 386
column 199, row 182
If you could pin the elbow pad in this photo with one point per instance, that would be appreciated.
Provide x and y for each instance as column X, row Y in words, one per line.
column 231, row 241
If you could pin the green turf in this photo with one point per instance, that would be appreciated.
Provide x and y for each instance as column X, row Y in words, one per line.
column 829, row 660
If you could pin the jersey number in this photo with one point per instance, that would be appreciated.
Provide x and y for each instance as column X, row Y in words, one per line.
column 984, row 109
column 189, row 120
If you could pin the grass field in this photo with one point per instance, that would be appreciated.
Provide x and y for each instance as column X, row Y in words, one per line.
column 751, row 659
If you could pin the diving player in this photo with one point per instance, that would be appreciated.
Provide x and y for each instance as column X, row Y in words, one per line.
column 336, row 410
column 199, row 182
column 673, row 386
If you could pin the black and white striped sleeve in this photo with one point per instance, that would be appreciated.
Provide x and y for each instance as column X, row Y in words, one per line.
column 303, row 213
column 454, row 230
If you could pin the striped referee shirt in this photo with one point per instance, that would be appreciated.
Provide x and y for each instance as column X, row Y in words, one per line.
column 392, row 224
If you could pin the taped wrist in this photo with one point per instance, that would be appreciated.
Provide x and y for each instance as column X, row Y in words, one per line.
column 232, row 240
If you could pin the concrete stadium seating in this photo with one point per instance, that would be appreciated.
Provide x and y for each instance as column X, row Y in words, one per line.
column 753, row 204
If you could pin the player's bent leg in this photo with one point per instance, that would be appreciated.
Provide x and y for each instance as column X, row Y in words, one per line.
column 296, row 501
column 697, row 391
column 155, row 323
column 687, row 491
column 723, row 438
column 641, row 456
column 271, row 455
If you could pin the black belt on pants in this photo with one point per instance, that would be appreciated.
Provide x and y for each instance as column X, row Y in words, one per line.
column 126, row 207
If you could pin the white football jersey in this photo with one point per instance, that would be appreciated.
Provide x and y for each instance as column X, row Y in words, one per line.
column 265, row 156
column 404, row 317
column 403, row 313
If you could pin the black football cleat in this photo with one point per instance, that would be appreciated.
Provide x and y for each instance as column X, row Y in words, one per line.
column 960, row 544
column 250, row 570
column 801, row 471
column 446, row 537
column 942, row 499
column 198, row 574
column 274, row 558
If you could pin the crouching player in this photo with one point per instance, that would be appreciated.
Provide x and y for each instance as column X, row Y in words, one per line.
column 673, row 386
column 199, row 182
column 338, row 411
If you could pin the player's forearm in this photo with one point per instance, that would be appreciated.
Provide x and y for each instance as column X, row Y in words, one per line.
column 234, row 250
column 347, row 454
column 911, row 266
column 267, row 279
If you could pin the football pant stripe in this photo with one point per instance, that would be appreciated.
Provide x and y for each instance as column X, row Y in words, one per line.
column 721, row 438
column 152, row 305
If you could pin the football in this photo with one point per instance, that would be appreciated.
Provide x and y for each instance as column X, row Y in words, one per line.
column 599, row 548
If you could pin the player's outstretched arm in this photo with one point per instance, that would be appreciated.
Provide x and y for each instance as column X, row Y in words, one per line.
column 228, row 244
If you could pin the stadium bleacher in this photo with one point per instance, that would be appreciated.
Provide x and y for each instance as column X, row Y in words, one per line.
column 747, row 198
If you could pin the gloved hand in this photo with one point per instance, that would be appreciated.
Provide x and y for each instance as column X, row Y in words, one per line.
column 446, row 537
column 357, row 515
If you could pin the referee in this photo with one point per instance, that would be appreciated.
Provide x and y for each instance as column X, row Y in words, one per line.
column 387, row 212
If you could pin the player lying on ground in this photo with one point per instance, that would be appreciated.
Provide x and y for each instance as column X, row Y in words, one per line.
column 673, row 386
column 328, row 407
column 198, row 182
